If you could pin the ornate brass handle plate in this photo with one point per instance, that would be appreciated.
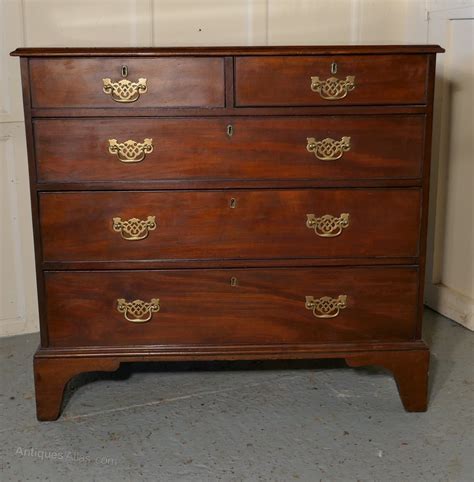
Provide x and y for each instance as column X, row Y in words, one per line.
column 134, row 229
column 124, row 90
column 326, row 307
column 328, row 149
column 327, row 226
column 333, row 88
column 138, row 311
column 131, row 151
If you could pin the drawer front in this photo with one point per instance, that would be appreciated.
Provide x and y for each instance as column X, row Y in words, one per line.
column 260, row 224
column 168, row 82
column 333, row 147
column 368, row 79
column 266, row 306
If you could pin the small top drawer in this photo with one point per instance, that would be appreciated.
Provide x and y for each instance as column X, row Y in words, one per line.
column 331, row 80
column 127, row 82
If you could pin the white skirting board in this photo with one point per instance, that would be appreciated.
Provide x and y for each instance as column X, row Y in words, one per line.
column 18, row 326
column 451, row 304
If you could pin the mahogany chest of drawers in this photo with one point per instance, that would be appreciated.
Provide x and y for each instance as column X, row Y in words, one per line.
column 229, row 203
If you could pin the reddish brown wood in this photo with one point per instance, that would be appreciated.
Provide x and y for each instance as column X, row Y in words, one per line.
column 426, row 189
column 226, row 263
column 172, row 82
column 229, row 83
column 201, row 307
column 232, row 351
column 382, row 79
column 229, row 111
column 213, row 184
column 25, row 83
column 382, row 147
column 219, row 51
column 52, row 376
column 265, row 224
column 201, row 241
column 54, row 368
column 410, row 369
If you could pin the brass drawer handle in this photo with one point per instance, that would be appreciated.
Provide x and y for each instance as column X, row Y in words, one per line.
column 134, row 229
column 326, row 307
column 131, row 151
column 333, row 88
column 138, row 311
column 327, row 226
column 328, row 149
column 124, row 90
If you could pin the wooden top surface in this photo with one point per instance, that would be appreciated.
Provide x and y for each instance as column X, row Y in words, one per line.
column 219, row 51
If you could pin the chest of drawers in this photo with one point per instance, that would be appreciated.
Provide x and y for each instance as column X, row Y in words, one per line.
column 229, row 203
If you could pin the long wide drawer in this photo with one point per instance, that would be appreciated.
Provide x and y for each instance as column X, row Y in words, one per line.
column 268, row 148
column 127, row 82
column 331, row 80
column 239, row 224
column 252, row 306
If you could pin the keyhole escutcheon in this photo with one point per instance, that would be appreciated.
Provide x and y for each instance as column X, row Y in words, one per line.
column 334, row 68
column 124, row 71
column 230, row 130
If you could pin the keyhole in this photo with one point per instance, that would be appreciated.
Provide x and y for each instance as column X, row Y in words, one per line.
column 230, row 130
column 334, row 68
column 234, row 281
column 124, row 71
column 233, row 203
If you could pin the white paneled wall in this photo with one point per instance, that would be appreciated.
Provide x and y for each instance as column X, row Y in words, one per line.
column 11, row 36
column 304, row 22
column 87, row 23
column 19, row 310
column 450, row 263
column 209, row 22
column 18, row 304
column 392, row 21
column 45, row 23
